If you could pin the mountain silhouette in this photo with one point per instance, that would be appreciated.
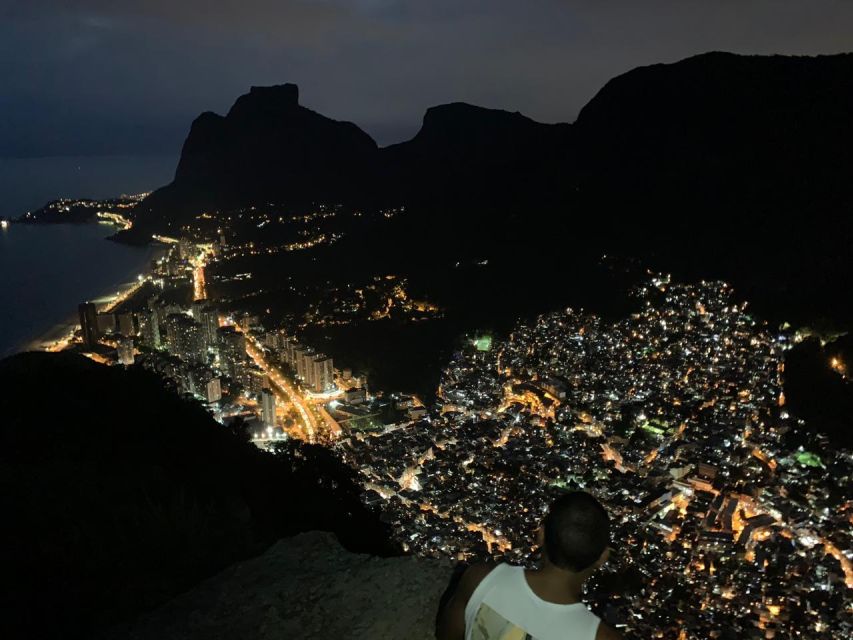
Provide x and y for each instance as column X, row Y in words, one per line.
column 724, row 133
column 717, row 130
column 737, row 163
column 267, row 148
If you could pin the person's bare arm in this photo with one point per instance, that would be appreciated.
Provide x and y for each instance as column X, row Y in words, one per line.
column 606, row 632
column 451, row 620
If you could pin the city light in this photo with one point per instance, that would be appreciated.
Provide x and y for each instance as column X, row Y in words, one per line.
column 674, row 417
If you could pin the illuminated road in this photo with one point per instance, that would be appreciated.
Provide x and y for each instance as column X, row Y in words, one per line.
column 199, row 288
column 282, row 388
column 316, row 421
column 122, row 296
column 198, row 262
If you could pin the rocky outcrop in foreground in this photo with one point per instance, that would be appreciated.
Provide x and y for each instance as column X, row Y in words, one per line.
column 306, row 587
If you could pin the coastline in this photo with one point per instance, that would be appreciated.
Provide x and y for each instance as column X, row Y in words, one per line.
column 27, row 183
column 54, row 334
column 60, row 335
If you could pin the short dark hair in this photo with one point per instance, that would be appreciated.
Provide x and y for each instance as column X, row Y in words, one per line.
column 577, row 531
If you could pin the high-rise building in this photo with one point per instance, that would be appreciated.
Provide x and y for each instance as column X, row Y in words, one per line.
column 89, row 323
column 290, row 353
column 195, row 378
column 125, row 324
column 208, row 318
column 248, row 321
column 125, row 352
column 106, row 323
column 283, row 346
column 322, row 373
column 214, row 390
column 272, row 339
column 196, row 309
column 253, row 378
column 356, row 395
column 185, row 338
column 185, row 249
column 268, row 407
column 302, row 364
column 276, row 340
column 149, row 328
column 168, row 309
column 232, row 352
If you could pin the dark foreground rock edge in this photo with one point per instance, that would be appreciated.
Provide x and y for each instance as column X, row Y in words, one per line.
column 307, row 586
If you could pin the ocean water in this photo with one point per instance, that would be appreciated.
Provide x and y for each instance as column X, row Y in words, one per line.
column 46, row 271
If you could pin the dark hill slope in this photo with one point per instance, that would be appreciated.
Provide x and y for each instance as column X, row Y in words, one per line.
column 731, row 166
column 117, row 494
column 723, row 133
column 468, row 156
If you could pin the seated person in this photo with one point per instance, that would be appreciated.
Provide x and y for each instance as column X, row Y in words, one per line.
column 505, row 602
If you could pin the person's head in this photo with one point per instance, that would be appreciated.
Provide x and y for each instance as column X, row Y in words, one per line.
column 576, row 533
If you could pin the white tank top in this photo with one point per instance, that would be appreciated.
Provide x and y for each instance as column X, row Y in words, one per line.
column 504, row 607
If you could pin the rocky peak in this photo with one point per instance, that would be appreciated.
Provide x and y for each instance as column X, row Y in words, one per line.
column 269, row 101
column 458, row 121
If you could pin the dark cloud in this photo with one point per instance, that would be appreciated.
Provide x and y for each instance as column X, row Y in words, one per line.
column 122, row 75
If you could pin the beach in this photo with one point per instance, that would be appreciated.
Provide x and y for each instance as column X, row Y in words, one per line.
column 47, row 270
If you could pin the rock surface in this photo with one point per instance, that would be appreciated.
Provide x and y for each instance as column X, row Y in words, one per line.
column 306, row 587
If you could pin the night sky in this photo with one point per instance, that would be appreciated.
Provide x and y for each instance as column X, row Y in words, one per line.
column 127, row 76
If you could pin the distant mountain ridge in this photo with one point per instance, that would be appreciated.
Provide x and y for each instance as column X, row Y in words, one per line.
column 465, row 154
column 268, row 148
column 737, row 163
column 712, row 129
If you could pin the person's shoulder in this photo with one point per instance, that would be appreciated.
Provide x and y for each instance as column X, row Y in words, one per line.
column 606, row 632
column 481, row 569
column 451, row 618
column 475, row 573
